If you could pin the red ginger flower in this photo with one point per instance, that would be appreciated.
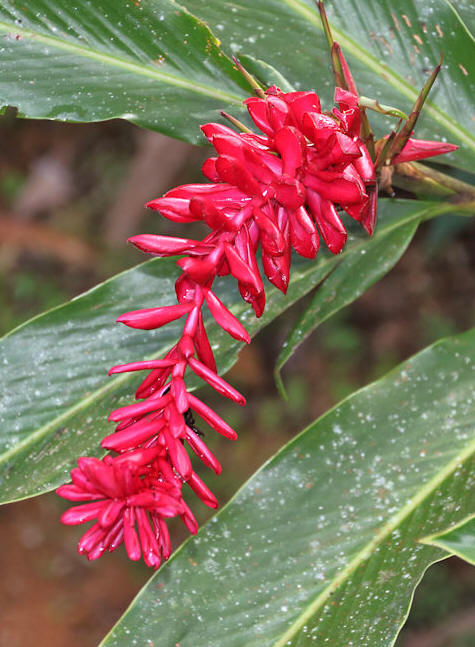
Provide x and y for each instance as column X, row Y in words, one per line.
column 136, row 489
column 277, row 190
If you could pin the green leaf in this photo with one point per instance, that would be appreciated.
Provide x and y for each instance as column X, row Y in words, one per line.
column 466, row 9
column 149, row 62
column 56, row 395
column 323, row 541
column 358, row 270
column 458, row 540
column 391, row 48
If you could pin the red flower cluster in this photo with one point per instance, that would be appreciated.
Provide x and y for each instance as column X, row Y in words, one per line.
column 279, row 190
column 122, row 491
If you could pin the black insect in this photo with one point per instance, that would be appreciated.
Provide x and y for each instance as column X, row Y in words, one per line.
column 189, row 418
column 190, row 422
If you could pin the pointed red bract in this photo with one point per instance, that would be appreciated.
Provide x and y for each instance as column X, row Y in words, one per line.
column 151, row 318
column 418, row 149
column 129, row 503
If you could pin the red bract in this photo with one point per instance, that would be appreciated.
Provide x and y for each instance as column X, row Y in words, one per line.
column 279, row 190
column 129, row 501
column 412, row 149
column 272, row 192
column 418, row 149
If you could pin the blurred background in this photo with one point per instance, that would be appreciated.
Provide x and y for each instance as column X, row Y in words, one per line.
column 70, row 195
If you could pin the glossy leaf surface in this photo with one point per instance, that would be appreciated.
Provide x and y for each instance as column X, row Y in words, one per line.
column 323, row 541
column 391, row 48
column 458, row 540
column 56, row 395
column 149, row 62
column 144, row 61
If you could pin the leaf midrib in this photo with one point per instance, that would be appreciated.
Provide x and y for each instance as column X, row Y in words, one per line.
column 389, row 75
column 116, row 61
column 367, row 551
column 83, row 403
column 460, row 19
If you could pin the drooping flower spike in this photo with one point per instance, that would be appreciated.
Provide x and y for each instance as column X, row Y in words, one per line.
column 284, row 187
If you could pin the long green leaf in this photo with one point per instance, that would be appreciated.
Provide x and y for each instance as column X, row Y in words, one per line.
column 321, row 546
column 458, row 540
column 391, row 47
column 357, row 272
column 55, row 392
column 149, row 62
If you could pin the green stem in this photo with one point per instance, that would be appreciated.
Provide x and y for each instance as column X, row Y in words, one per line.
column 373, row 104
column 242, row 127
column 333, row 47
column 402, row 137
column 424, row 181
column 258, row 89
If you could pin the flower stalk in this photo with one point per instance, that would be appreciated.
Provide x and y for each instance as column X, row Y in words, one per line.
column 426, row 182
